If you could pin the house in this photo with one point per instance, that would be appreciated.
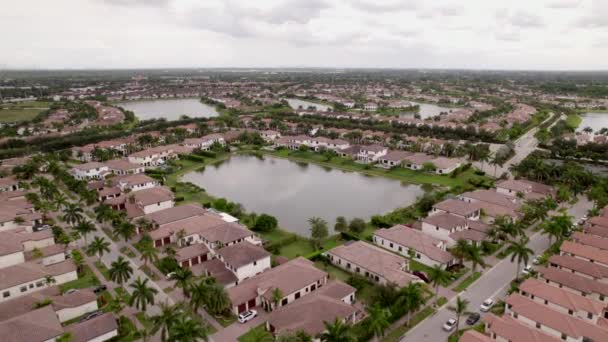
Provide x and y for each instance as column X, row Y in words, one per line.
column 217, row 269
column 445, row 166
column 21, row 279
column 36, row 325
column 417, row 161
column 372, row 262
column 442, row 226
column 122, row 167
column 393, row 159
column 14, row 244
column 466, row 210
column 174, row 214
column 364, row 153
column 244, row 259
column 142, row 202
column 562, row 300
column 507, row 328
column 553, row 322
column 591, row 240
column 294, row 279
column 494, row 203
column 97, row 329
column 90, row 170
column 473, row 336
column 530, row 190
column 415, row 244
column 134, row 182
column 154, row 156
column 269, row 135
column 575, row 283
column 205, row 142
column 585, row 252
column 370, row 107
column 330, row 302
column 192, row 255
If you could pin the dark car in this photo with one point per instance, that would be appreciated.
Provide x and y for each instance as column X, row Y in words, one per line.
column 91, row 315
column 421, row 275
column 473, row 318
column 100, row 288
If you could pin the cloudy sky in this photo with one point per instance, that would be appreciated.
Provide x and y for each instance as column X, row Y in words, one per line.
column 473, row 34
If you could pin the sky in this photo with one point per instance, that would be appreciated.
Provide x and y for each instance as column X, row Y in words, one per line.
column 444, row 34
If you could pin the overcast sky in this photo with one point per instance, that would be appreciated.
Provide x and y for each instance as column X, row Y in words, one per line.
column 472, row 34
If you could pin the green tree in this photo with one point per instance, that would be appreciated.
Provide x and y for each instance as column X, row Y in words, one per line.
column 186, row 329
column 72, row 213
column 218, row 301
column 125, row 230
column 265, row 223
column 357, row 226
column 318, row 230
column 410, row 298
column 256, row 334
column 298, row 336
column 142, row 294
column 341, row 225
column 438, row 276
column 473, row 255
column 167, row 317
column 148, row 252
column 120, row 270
column 104, row 213
column 78, row 260
column 519, row 250
column 460, row 308
column 378, row 320
column 337, row 331
column 277, row 296
column 99, row 246
column 84, row 228
column 183, row 279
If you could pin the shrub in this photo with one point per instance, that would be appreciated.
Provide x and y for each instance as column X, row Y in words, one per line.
column 265, row 223
column 357, row 225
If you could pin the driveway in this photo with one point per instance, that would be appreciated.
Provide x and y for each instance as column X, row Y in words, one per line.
column 237, row 329
column 493, row 283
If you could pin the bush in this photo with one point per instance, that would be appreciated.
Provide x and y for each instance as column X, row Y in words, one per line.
column 357, row 225
column 349, row 236
column 265, row 223
column 167, row 265
column 357, row 282
column 179, row 199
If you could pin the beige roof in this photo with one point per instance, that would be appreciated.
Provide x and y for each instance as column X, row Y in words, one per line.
column 582, row 266
column 36, row 326
column 599, row 221
column 590, row 240
column 8, row 181
column 445, row 221
column 561, row 297
column 419, row 158
column 597, row 231
column 241, row 254
column 468, row 234
column 571, row 326
column 397, row 156
column 585, row 251
column 376, row 260
column 416, row 240
column 457, row 207
column 121, row 164
column 336, row 289
column 92, row 328
column 153, row 195
column 216, row 269
column 574, row 281
column 190, row 225
column 309, row 314
column 89, row 166
column 445, row 163
column 135, row 179
column 30, row 271
column 511, row 329
column 191, row 251
column 226, row 233
column 491, row 196
column 525, row 186
column 288, row 277
column 177, row 213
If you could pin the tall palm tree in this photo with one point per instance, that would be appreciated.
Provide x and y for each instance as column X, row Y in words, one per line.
column 411, row 299
column 98, row 246
column 259, row 335
column 277, row 296
column 149, row 253
column 337, row 331
column 142, row 294
column 460, row 249
column 460, row 308
column 186, row 329
column 473, row 255
column 78, row 260
column 83, row 228
column 125, row 230
column 438, row 276
column 60, row 200
column 103, row 213
column 144, row 225
column 166, row 318
column 198, row 295
column 183, row 277
column 519, row 250
column 378, row 320
column 72, row 213
column 218, row 301
column 120, row 271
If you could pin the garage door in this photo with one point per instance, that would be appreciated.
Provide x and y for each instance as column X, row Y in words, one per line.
column 251, row 303
column 242, row 307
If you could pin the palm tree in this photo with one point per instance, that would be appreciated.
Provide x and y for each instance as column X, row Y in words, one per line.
column 520, row 251
column 83, row 228
column 259, row 335
column 186, row 329
column 142, row 294
column 120, row 271
column 410, row 298
column 98, row 246
column 277, row 296
column 217, row 300
column 298, row 336
column 459, row 309
column 103, row 213
column 438, row 276
column 148, row 253
column 337, row 331
column 60, row 200
column 473, row 255
column 72, row 213
column 125, row 230
column 147, row 329
column 552, row 230
column 183, row 277
column 378, row 320
column 49, row 280
column 460, row 249
column 198, row 293
column 165, row 319
column 144, row 225
column 78, row 260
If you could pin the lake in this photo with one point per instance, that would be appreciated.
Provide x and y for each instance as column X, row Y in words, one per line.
column 169, row 109
column 597, row 121
column 428, row 110
column 297, row 103
column 294, row 192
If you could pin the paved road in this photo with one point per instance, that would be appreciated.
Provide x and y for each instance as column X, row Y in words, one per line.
column 493, row 283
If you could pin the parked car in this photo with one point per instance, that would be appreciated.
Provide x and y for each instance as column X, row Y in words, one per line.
column 473, row 318
column 421, row 275
column 486, row 305
column 247, row 316
column 91, row 315
column 42, row 227
column 527, row 270
column 170, row 275
column 449, row 325
column 536, row 259
column 70, row 291
column 100, row 289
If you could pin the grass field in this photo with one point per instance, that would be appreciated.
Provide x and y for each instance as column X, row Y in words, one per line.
column 21, row 111
column 86, row 279
column 573, row 121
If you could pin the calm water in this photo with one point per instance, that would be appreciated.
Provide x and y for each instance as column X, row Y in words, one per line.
column 597, row 121
column 169, row 109
column 294, row 192
column 428, row 110
column 296, row 103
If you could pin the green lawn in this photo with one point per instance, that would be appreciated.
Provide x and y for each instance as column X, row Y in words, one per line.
column 127, row 251
column 334, row 272
column 396, row 334
column 85, row 280
column 573, row 120
column 101, row 267
column 24, row 111
column 467, row 282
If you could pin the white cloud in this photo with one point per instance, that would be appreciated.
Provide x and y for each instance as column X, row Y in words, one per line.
column 335, row 33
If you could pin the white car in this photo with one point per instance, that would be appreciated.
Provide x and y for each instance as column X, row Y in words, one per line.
column 247, row 316
column 449, row 325
column 536, row 259
column 486, row 305
column 527, row 270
